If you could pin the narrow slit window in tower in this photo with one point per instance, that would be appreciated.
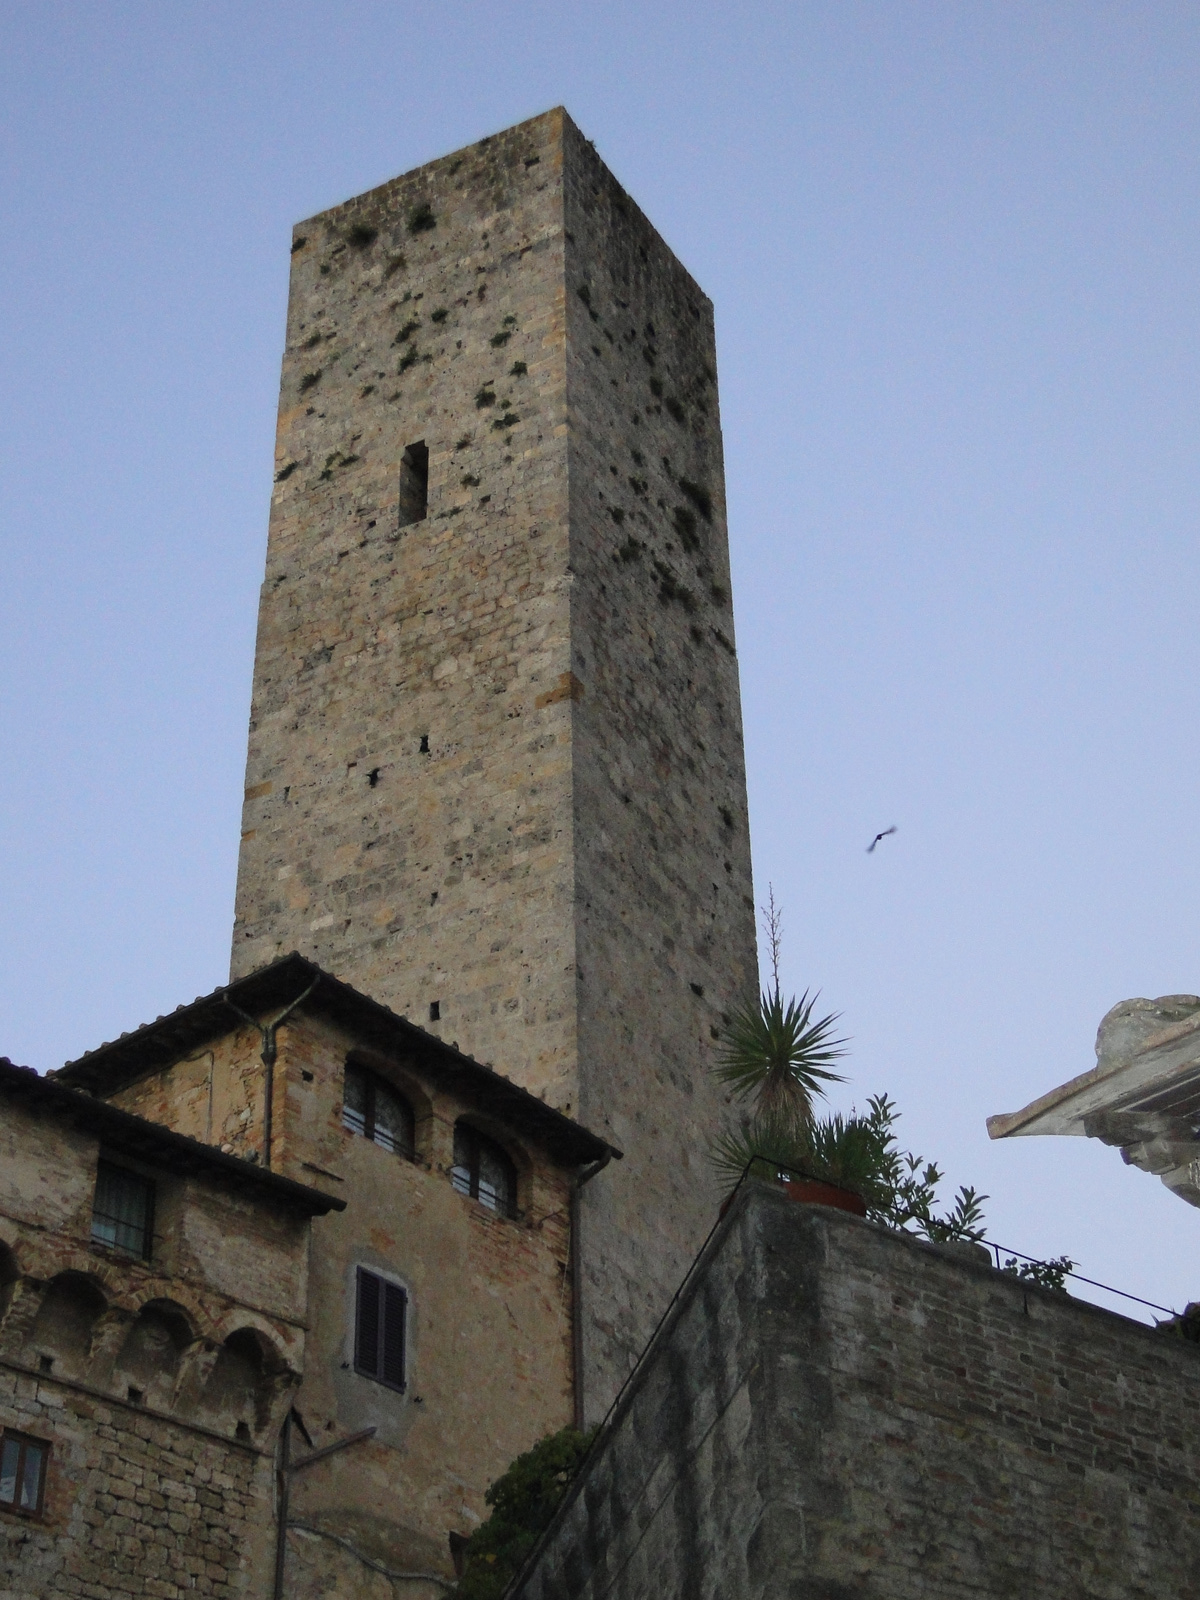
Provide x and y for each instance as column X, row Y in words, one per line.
column 414, row 483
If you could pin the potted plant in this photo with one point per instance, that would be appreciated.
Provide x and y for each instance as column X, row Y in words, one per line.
column 834, row 1161
column 777, row 1055
column 778, row 1058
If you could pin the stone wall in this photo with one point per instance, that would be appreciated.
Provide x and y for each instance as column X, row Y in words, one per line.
column 158, row 1384
column 495, row 757
column 408, row 801
column 835, row 1412
column 135, row 1504
column 662, row 892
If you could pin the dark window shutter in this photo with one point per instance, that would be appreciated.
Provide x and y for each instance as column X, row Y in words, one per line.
column 393, row 1336
column 379, row 1329
column 366, row 1353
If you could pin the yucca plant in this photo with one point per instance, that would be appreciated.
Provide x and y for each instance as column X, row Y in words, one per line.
column 778, row 1054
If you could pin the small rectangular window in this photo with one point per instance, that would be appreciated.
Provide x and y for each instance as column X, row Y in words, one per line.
column 379, row 1329
column 22, row 1472
column 414, row 483
column 123, row 1210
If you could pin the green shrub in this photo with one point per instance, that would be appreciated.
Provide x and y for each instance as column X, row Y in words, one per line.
column 1050, row 1274
column 859, row 1153
column 523, row 1500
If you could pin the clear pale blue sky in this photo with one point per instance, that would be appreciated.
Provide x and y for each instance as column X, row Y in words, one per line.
column 954, row 255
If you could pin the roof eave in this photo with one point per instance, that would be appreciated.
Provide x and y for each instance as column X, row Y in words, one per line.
column 117, row 1129
column 158, row 1044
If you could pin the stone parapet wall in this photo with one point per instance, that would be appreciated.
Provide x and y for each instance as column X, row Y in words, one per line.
column 836, row 1412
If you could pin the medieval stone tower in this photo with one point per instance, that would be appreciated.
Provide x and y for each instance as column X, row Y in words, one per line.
column 495, row 772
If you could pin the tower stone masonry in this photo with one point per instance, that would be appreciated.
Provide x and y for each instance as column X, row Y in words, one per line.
column 495, row 775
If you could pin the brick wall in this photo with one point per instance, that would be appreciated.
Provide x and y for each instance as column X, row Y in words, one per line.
column 836, row 1412
column 215, row 1094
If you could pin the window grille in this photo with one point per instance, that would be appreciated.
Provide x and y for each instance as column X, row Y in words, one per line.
column 22, row 1472
column 123, row 1210
column 372, row 1108
column 484, row 1171
column 379, row 1329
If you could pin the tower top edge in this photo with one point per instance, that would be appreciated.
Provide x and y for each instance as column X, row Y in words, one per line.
column 552, row 132
column 547, row 127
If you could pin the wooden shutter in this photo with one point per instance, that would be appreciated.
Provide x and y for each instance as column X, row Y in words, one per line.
column 392, row 1371
column 379, row 1329
column 366, row 1352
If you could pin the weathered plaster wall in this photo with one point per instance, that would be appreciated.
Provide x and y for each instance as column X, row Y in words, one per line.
column 353, row 1562
column 839, row 1413
column 216, row 1095
column 489, row 1332
column 227, row 1259
column 495, row 756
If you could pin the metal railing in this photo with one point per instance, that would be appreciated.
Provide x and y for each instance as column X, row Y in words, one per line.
column 1038, row 1261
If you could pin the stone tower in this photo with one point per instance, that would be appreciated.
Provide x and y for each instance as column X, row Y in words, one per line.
column 495, row 774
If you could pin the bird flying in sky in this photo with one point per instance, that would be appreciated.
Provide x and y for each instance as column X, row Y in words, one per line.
column 879, row 836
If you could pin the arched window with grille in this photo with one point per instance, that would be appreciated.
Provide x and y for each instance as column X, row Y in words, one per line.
column 484, row 1170
column 376, row 1111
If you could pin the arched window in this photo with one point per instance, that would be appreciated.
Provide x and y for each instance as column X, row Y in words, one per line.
column 374, row 1109
column 483, row 1170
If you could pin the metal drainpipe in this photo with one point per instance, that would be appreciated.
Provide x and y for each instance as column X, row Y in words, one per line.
column 282, row 1480
column 580, row 1179
column 269, row 1055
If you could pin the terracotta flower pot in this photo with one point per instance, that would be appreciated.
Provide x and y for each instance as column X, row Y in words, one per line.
column 810, row 1192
